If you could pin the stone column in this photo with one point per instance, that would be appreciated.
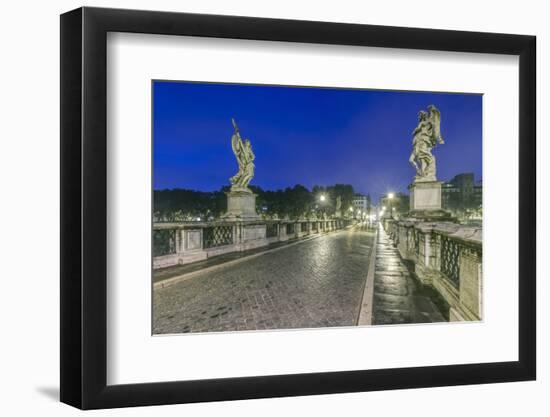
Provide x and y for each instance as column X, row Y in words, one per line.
column 471, row 280
column 282, row 231
column 402, row 246
column 180, row 240
column 192, row 239
column 422, row 266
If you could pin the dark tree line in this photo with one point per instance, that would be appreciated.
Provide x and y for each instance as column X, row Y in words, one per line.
column 183, row 204
column 291, row 202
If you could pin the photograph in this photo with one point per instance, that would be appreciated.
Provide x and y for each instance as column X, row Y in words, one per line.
column 282, row 207
column 293, row 208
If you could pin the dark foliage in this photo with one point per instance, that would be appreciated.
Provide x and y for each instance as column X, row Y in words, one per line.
column 292, row 202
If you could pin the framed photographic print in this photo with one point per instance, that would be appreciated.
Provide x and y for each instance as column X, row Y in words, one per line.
column 257, row 208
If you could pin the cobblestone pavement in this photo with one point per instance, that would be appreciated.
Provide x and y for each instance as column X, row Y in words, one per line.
column 398, row 297
column 316, row 283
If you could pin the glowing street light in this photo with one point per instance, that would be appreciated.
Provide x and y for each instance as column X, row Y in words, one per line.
column 322, row 198
column 392, row 209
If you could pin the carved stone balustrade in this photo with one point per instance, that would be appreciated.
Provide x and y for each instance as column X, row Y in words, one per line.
column 185, row 242
column 446, row 256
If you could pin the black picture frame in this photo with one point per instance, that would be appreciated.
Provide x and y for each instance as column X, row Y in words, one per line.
column 84, row 207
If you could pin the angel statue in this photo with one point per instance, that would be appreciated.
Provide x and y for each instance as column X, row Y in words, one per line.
column 425, row 137
column 338, row 208
column 245, row 158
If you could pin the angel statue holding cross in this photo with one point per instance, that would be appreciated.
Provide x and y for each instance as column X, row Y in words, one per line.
column 245, row 158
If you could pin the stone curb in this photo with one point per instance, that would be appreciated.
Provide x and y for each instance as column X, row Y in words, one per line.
column 365, row 312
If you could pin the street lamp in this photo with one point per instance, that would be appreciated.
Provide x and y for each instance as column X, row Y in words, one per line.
column 322, row 201
column 390, row 198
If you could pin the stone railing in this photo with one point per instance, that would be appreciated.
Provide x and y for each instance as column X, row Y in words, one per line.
column 180, row 243
column 447, row 256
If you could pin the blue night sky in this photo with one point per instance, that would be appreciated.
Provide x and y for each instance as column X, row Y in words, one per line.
column 308, row 136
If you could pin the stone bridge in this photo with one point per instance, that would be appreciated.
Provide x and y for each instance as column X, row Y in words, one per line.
column 307, row 274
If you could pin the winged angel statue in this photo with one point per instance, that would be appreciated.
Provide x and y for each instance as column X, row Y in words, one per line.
column 425, row 137
column 338, row 203
column 245, row 158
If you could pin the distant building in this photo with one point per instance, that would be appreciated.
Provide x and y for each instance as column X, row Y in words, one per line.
column 361, row 202
column 462, row 194
column 478, row 193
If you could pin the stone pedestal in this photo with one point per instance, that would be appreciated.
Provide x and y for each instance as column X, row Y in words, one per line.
column 425, row 200
column 241, row 205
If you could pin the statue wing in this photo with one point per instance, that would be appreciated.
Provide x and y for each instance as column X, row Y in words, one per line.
column 435, row 119
column 251, row 155
column 238, row 150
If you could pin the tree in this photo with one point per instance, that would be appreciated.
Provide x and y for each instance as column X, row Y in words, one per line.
column 292, row 202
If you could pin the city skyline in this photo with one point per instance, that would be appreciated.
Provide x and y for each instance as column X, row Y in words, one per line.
column 308, row 136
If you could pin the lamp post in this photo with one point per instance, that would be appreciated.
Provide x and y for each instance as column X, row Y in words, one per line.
column 322, row 201
column 390, row 198
column 369, row 215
